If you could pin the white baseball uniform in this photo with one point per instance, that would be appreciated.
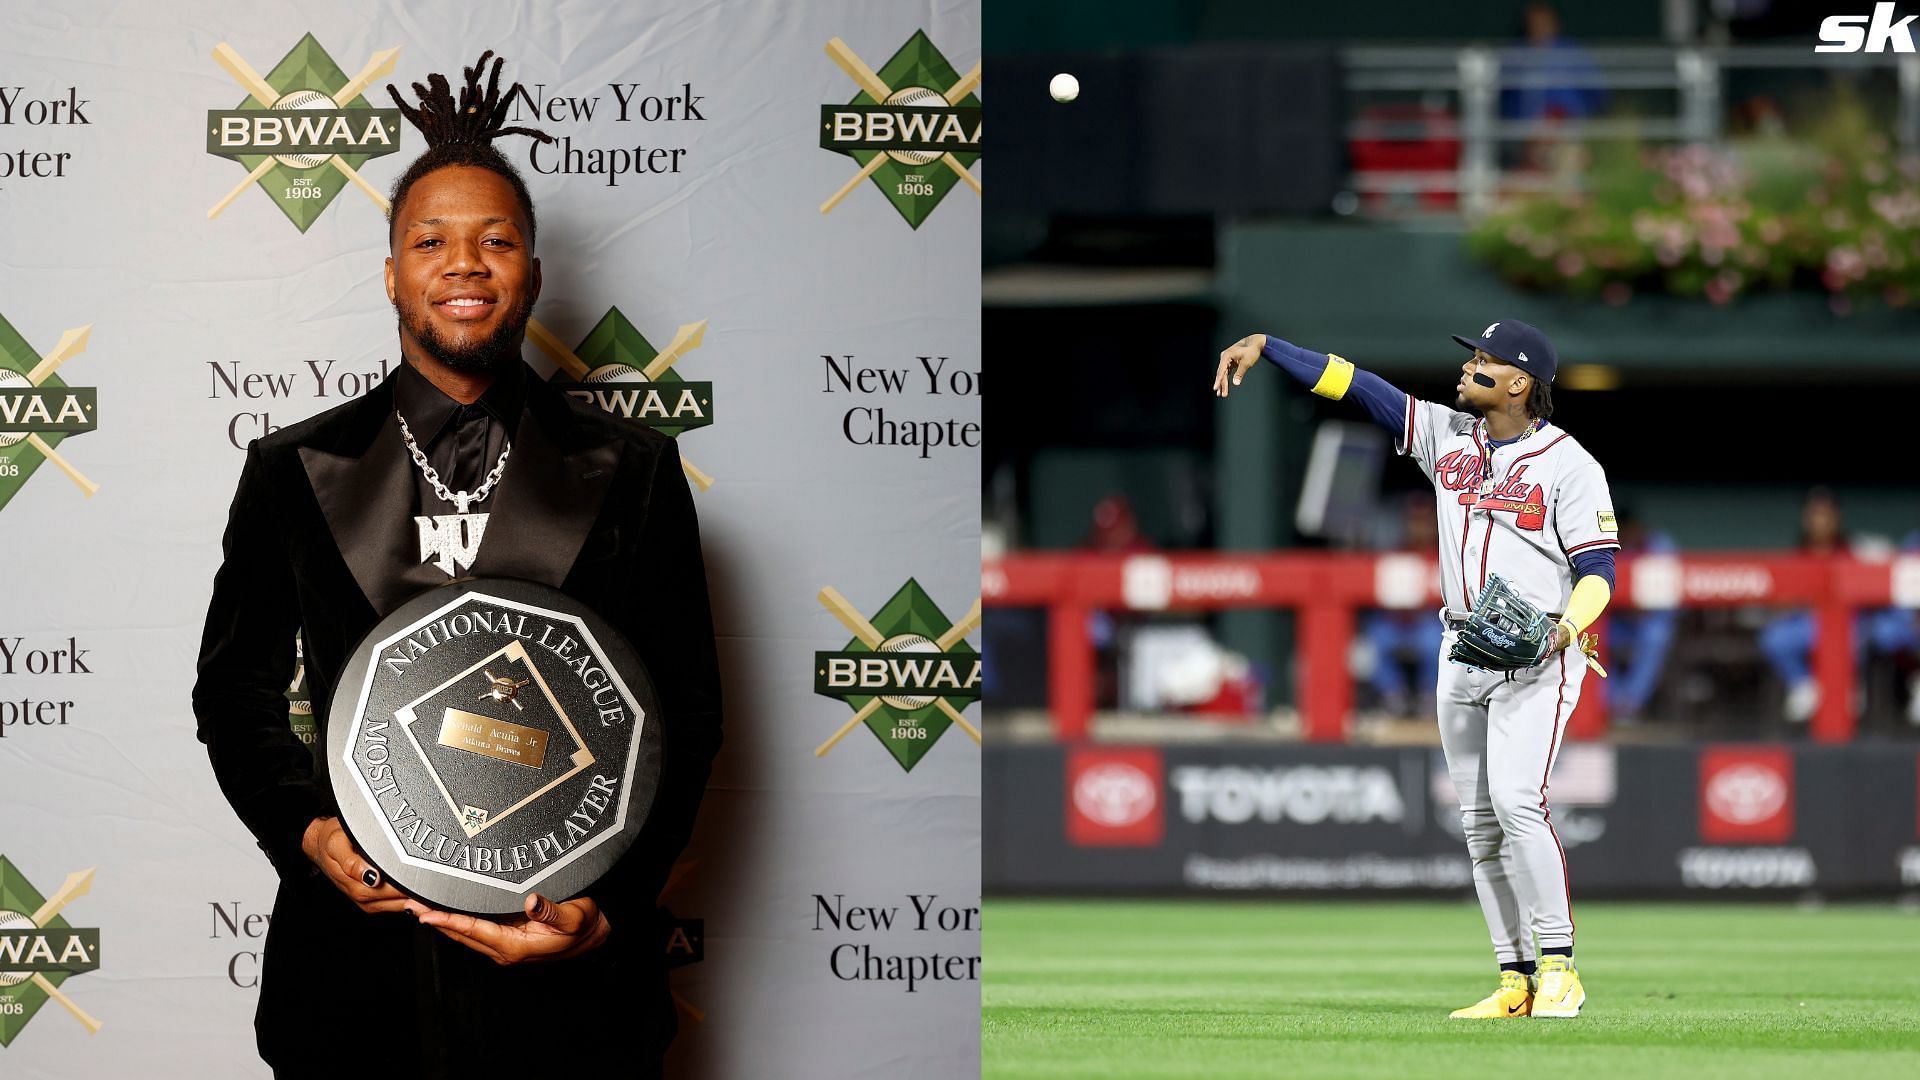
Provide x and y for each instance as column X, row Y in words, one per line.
column 1522, row 510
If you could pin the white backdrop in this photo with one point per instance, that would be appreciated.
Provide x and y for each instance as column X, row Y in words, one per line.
column 205, row 331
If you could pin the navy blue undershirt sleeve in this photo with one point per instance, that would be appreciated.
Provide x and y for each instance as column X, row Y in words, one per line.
column 1594, row 562
column 1387, row 405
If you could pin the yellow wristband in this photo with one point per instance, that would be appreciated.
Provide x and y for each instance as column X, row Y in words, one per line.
column 1335, row 380
column 1589, row 599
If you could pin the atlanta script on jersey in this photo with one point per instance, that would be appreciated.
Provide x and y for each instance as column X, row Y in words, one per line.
column 1523, row 510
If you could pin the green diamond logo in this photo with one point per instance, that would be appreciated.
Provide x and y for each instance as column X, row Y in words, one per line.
column 617, row 369
column 300, row 699
column 913, row 127
column 303, row 131
column 40, row 950
column 907, row 673
column 38, row 410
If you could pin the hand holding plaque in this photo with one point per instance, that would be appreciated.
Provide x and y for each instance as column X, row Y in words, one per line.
column 330, row 849
column 547, row 932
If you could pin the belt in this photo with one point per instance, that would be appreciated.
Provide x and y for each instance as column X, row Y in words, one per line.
column 1454, row 618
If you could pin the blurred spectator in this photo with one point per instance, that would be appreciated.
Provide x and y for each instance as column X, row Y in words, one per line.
column 1549, row 79
column 1407, row 640
column 1555, row 77
column 1788, row 641
column 1637, row 640
column 1115, row 529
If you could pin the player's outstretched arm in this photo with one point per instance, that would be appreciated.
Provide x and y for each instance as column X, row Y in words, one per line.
column 1330, row 376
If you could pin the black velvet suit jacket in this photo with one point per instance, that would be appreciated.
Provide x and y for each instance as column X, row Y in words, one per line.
column 320, row 538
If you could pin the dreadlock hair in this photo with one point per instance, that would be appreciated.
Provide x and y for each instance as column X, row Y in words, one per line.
column 1540, row 399
column 463, row 133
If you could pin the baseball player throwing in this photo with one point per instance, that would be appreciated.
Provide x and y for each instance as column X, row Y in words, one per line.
column 1525, row 523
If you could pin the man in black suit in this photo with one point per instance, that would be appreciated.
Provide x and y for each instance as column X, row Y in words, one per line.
column 322, row 538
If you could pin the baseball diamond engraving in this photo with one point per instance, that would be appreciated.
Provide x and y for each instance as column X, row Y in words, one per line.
column 490, row 738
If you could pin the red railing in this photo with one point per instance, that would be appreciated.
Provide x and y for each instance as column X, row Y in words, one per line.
column 1327, row 590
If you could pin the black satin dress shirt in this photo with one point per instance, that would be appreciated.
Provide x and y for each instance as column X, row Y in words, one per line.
column 462, row 442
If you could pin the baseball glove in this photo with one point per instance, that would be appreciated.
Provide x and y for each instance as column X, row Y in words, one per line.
column 1504, row 633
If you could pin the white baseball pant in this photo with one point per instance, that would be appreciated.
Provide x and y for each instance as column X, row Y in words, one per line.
column 1500, row 733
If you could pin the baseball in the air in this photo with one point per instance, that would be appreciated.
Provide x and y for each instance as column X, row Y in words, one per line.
column 1064, row 87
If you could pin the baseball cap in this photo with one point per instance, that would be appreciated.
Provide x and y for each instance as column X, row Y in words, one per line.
column 1520, row 344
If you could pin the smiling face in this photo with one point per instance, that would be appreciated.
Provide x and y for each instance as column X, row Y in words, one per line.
column 1509, row 384
column 462, row 276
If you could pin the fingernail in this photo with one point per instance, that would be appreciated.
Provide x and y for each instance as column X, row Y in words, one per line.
column 371, row 877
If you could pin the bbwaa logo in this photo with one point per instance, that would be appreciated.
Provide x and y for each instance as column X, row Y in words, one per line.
column 1875, row 33
column 304, row 130
column 914, row 127
column 40, row 950
column 907, row 673
column 618, row 370
column 38, row 410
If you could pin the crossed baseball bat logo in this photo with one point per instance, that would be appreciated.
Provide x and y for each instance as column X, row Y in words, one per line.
column 78, row 884
column 72, row 343
column 685, row 340
column 378, row 66
column 851, row 618
column 857, row 69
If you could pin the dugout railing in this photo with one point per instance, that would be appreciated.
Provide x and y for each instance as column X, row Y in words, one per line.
column 1327, row 591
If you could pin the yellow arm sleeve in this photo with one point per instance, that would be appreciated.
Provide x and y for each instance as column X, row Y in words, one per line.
column 1589, row 599
column 1335, row 379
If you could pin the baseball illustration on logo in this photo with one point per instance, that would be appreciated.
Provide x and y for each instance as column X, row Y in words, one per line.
column 908, row 672
column 38, row 410
column 618, row 370
column 914, row 127
column 40, row 950
column 304, row 130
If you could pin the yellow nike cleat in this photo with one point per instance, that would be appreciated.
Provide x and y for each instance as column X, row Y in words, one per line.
column 1560, row 993
column 1513, row 1000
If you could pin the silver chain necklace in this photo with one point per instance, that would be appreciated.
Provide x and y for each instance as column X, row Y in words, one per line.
column 460, row 499
column 451, row 540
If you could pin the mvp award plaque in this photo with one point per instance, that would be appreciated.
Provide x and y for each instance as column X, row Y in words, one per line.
column 493, row 738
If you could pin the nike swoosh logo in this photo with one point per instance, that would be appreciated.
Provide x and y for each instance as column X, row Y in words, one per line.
column 1511, row 1009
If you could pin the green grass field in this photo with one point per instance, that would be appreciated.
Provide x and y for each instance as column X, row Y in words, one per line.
column 1311, row 989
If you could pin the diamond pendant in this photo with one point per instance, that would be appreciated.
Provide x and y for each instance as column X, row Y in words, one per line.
column 451, row 540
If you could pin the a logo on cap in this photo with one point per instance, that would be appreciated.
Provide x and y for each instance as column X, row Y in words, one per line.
column 1488, row 332
column 1522, row 358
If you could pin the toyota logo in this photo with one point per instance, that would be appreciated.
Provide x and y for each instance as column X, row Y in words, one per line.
column 1115, row 794
column 1746, row 794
